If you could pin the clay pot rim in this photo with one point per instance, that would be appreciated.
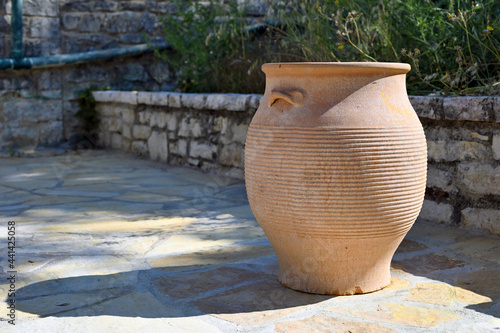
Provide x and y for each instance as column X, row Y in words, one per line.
column 336, row 67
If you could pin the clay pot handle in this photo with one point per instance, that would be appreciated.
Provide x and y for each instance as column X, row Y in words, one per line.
column 295, row 97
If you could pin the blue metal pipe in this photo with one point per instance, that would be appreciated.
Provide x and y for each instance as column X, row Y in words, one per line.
column 74, row 58
column 16, row 31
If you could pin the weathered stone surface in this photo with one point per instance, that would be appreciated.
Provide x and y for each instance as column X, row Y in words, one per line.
column 232, row 155
column 70, row 21
column 174, row 100
column 194, row 101
column 232, row 102
column 158, row 146
column 89, row 23
column 51, row 133
column 467, row 108
column 41, row 8
column 158, row 119
column 254, row 101
column 126, row 131
column 452, row 150
column 408, row 245
column 484, row 219
column 141, row 132
column 44, row 27
column 128, row 115
column 125, row 144
column 123, row 22
column 440, row 179
column 424, row 264
column 202, row 150
column 495, row 146
column 436, row 212
column 171, row 120
column 479, row 179
column 127, row 97
column 111, row 124
column 116, row 141
column 496, row 109
column 320, row 324
column 139, row 148
column 179, row 147
column 144, row 117
column 434, row 293
column 427, row 107
column 239, row 133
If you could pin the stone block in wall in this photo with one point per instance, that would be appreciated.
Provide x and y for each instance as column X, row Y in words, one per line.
column 70, row 21
column 484, row 219
column 175, row 100
column 495, row 146
column 454, row 150
column 231, row 102
column 105, row 138
column 139, row 148
column 111, row 124
column 17, row 111
column 133, row 6
column 202, row 150
column 128, row 115
column 478, row 179
column 165, row 7
column 116, row 141
column 194, row 101
column 427, row 107
column 41, row 8
column 89, row 23
column 436, row 212
column 158, row 146
column 232, row 155
column 153, row 98
column 467, row 108
column 253, row 7
column 496, row 109
column 108, row 110
column 123, row 22
column 239, row 132
column 44, row 27
column 144, row 117
column 20, row 136
column 126, row 131
column 158, row 119
column 440, row 179
column 125, row 144
column 141, row 132
column 50, row 132
column 254, row 101
column 178, row 147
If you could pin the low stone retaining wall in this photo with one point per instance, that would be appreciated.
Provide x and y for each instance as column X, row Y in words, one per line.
column 209, row 130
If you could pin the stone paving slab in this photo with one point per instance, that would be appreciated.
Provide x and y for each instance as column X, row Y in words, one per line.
column 107, row 242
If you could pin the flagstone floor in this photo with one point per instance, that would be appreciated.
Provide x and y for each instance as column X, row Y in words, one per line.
column 107, row 242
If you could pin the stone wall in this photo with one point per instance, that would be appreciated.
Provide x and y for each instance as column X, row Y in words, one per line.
column 37, row 106
column 208, row 131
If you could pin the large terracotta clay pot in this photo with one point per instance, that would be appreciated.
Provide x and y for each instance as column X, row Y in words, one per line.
column 335, row 169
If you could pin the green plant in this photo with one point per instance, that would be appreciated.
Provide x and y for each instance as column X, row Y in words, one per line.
column 213, row 50
column 89, row 116
column 453, row 46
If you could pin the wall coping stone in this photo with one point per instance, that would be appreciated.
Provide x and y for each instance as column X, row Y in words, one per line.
column 230, row 102
column 469, row 108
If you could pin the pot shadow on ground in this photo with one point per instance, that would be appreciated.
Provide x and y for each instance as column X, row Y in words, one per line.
column 166, row 292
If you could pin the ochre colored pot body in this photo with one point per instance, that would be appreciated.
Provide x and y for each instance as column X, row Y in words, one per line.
column 335, row 170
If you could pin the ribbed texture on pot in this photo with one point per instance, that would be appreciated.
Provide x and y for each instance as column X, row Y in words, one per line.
column 336, row 183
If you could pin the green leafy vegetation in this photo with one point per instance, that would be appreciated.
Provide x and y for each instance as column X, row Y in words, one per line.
column 452, row 46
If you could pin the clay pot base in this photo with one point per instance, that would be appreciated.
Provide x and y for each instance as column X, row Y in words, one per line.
column 337, row 266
